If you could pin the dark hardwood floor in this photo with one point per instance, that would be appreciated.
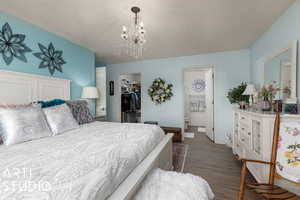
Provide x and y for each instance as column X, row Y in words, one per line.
column 216, row 164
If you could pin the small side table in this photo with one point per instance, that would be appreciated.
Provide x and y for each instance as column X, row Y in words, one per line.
column 177, row 133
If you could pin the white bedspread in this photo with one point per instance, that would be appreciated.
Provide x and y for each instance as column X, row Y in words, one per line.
column 166, row 185
column 79, row 164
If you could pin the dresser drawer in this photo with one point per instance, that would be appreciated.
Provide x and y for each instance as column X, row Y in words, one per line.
column 244, row 128
column 244, row 119
column 245, row 138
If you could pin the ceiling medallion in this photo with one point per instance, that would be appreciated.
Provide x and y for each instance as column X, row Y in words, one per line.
column 134, row 36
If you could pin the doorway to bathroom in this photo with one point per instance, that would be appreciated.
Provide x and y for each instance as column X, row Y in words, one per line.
column 199, row 101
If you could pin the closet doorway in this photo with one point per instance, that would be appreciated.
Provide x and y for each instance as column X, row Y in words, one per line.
column 130, row 97
column 199, row 101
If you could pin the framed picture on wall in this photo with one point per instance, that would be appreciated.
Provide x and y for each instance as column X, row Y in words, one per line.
column 111, row 88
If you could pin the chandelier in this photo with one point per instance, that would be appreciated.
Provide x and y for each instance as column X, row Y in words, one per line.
column 134, row 36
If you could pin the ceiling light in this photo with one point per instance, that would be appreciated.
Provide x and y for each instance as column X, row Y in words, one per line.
column 134, row 36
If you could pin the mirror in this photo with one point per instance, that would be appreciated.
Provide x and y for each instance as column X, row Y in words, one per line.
column 280, row 69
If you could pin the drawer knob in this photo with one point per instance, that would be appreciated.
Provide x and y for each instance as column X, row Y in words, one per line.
column 249, row 133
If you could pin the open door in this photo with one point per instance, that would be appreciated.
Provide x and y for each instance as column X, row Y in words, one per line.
column 101, row 86
column 210, row 104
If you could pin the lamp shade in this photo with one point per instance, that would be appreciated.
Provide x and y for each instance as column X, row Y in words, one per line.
column 250, row 90
column 90, row 93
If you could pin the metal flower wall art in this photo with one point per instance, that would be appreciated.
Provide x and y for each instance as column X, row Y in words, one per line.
column 12, row 45
column 50, row 58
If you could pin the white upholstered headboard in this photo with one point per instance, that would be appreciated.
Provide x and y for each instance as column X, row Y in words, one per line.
column 20, row 88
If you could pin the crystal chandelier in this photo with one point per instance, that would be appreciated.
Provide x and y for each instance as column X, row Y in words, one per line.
column 134, row 36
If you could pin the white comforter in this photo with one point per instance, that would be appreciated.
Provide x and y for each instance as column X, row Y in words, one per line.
column 166, row 185
column 78, row 164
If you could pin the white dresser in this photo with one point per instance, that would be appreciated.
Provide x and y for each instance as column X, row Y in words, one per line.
column 252, row 139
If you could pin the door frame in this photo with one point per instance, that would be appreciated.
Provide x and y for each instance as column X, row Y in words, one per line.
column 201, row 68
column 118, row 95
column 98, row 69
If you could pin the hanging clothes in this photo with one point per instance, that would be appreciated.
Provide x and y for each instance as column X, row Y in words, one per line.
column 131, row 102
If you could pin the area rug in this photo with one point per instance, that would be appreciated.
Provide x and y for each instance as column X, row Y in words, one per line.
column 179, row 155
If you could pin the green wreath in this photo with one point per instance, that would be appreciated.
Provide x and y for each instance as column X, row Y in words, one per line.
column 160, row 91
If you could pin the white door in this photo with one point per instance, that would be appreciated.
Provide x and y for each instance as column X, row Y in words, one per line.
column 101, row 85
column 210, row 104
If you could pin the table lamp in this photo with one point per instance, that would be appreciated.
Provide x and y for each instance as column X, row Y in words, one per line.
column 250, row 90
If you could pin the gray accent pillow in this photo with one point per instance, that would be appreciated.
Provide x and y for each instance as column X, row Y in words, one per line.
column 60, row 119
column 20, row 124
column 80, row 111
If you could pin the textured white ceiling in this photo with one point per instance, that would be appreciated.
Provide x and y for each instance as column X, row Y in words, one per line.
column 174, row 27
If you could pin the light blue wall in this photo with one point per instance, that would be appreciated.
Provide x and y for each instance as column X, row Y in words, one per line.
column 231, row 68
column 286, row 28
column 80, row 66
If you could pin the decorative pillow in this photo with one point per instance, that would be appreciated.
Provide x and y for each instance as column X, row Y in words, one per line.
column 54, row 102
column 13, row 106
column 60, row 119
column 22, row 124
column 80, row 111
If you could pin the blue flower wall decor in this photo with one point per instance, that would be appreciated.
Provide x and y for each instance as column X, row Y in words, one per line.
column 51, row 58
column 12, row 45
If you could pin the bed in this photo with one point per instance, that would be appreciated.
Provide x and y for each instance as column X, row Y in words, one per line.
column 100, row 160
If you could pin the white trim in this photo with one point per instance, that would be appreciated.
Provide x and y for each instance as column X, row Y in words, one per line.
column 201, row 68
column 118, row 95
column 101, row 84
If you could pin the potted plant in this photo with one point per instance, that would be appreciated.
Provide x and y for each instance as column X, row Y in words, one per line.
column 235, row 95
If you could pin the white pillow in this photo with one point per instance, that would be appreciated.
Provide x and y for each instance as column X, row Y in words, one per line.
column 60, row 119
column 24, row 123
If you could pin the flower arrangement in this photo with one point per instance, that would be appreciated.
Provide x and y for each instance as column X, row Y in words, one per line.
column 160, row 91
column 268, row 92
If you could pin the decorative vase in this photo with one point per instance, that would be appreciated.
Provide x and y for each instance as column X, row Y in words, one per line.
column 266, row 104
